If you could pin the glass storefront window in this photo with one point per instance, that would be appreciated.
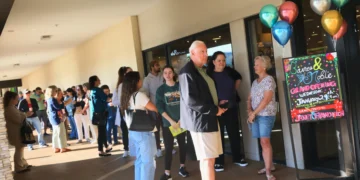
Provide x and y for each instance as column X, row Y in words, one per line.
column 315, row 35
column 319, row 139
column 179, row 53
column 218, row 40
column 158, row 54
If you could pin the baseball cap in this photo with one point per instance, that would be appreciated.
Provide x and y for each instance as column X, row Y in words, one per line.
column 25, row 91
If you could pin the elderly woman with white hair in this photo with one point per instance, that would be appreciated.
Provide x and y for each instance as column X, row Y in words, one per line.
column 261, row 107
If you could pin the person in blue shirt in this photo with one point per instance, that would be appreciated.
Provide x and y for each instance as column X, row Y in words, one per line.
column 111, row 128
column 70, row 112
column 99, row 104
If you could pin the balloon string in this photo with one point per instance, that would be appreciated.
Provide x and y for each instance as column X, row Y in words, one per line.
column 334, row 43
column 283, row 52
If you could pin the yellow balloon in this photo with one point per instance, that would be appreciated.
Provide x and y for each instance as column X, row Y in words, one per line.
column 331, row 21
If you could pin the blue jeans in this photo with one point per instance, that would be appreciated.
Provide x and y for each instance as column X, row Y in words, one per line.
column 142, row 145
column 73, row 134
column 262, row 126
column 111, row 127
column 35, row 122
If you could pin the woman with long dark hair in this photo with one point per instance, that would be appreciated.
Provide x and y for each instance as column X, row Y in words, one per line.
column 98, row 104
column 168, row 104
column 227, row 81
column 116, row 102
column 141, row 144
column 14, row 120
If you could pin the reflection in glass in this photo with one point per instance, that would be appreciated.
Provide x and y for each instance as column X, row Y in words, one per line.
column 315, row 35
column 155, row 54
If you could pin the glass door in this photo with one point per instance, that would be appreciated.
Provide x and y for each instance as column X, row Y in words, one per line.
column 259, row 42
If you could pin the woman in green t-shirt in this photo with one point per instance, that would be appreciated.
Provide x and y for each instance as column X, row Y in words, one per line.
column 168, row 105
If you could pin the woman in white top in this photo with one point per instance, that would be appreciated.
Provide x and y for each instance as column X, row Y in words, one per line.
column 142, row 144
column 119, row 121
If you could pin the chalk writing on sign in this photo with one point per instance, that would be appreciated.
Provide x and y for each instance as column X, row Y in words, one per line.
column 314, row 90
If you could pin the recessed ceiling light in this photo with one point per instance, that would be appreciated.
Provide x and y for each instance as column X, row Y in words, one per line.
column 17, row 64
column 4, row 76
column 11, row 31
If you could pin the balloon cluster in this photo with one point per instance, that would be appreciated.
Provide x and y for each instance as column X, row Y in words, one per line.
column 281, row 30
column 331, row 20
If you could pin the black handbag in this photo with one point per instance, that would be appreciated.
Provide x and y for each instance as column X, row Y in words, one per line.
column 99, row 119
column 140, row 120
column 27, row 136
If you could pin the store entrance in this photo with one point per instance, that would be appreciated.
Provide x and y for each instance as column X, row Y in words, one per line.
column 259, row 42
column 327, row 145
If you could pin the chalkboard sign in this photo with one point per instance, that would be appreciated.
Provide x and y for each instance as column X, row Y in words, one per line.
column 313, row 84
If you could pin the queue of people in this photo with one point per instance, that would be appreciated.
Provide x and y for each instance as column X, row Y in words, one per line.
column 200, row 101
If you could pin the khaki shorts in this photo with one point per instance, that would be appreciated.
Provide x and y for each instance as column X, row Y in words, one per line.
column 207, row 144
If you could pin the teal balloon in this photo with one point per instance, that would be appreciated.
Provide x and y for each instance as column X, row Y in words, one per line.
column 282, row 32
column 269, row 15
column 340, row 3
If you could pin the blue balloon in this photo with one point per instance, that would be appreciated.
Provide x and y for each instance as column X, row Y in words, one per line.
column 282, row 32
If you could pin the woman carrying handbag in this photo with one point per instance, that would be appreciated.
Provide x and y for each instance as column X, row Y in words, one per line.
column 142, row 143
column 98, row 114
column 14, row 122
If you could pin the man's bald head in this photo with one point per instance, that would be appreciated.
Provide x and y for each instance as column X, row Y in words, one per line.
column 198, row 53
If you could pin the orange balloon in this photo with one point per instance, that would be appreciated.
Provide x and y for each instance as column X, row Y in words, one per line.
column 331, row 21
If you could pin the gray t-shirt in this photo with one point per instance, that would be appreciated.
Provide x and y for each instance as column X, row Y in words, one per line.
column 257, row 95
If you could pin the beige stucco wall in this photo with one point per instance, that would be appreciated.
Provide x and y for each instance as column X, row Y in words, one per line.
column 169, row 20
column 102, row 55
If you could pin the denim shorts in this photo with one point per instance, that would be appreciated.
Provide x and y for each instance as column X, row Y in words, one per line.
column 262, row 126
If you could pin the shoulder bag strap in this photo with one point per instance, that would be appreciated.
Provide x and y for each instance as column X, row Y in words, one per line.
column 134, row 96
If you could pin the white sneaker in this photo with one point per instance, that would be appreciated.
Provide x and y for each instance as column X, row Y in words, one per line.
column 159, row 153
column 126, row 154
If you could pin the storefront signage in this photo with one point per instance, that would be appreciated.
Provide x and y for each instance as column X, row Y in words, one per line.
column 176, row 53
column 313, row 84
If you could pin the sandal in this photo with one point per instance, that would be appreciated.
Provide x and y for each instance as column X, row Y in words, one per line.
column 263, row 171
column 270, row 177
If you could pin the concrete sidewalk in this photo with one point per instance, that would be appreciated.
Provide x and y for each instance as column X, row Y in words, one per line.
column 83, row 163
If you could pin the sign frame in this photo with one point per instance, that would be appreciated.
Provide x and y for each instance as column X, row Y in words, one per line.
column 334, row 104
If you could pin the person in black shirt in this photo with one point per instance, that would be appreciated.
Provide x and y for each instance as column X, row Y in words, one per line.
column 30, row 105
